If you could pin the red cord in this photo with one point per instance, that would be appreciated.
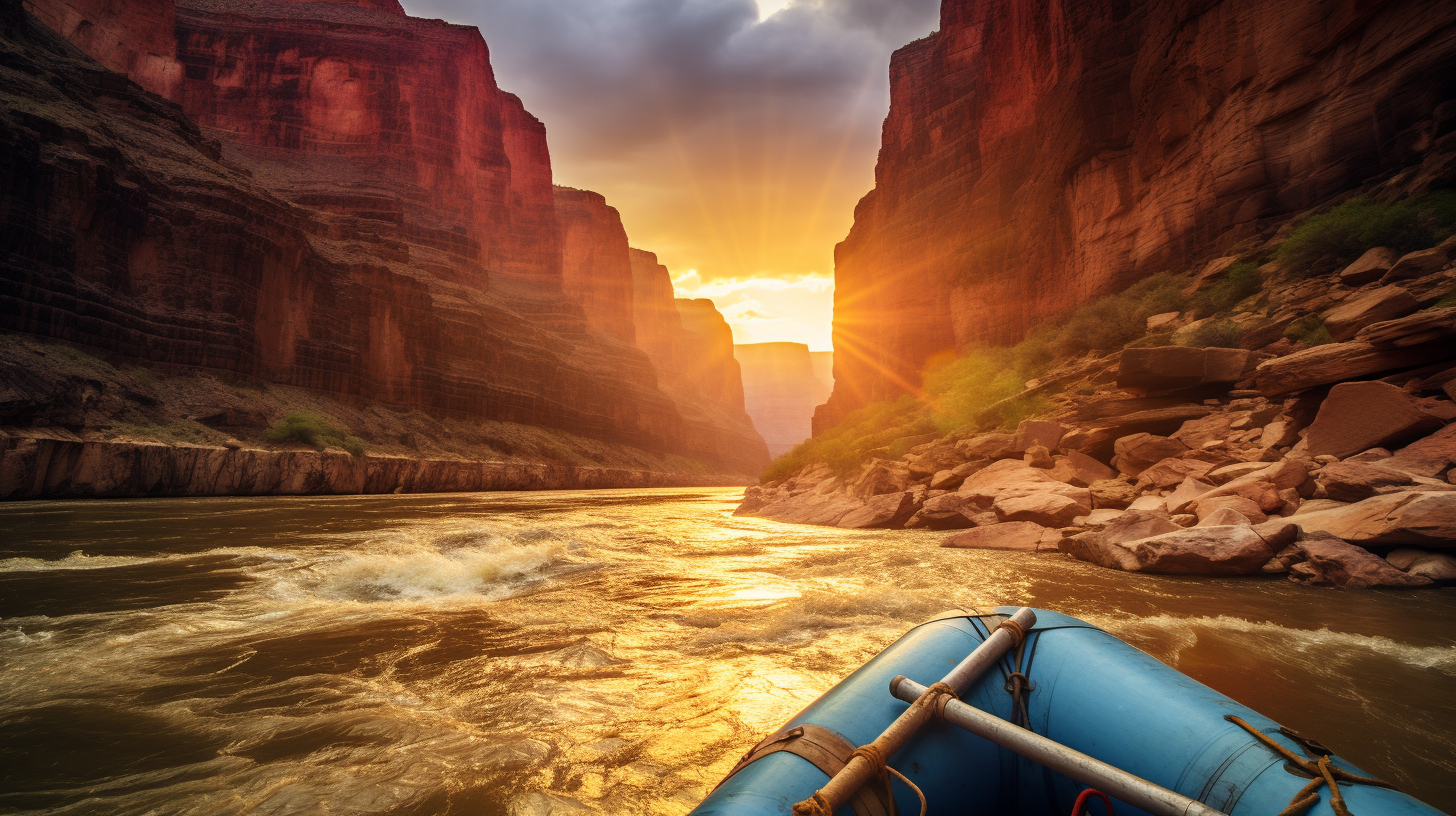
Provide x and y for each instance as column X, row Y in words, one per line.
column 1087, row 794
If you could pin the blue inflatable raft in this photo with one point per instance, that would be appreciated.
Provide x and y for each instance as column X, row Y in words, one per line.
column 1082, row 688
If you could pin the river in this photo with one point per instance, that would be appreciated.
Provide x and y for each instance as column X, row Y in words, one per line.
column 560, row 652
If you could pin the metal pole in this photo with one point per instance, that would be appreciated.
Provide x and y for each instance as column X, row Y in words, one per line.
column 843, row 785
column 1135, row 791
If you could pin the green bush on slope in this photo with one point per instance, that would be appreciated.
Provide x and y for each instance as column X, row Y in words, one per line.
column 315, row 431
column 1328, row 241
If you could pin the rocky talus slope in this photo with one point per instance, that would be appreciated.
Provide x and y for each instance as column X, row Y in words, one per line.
column 1331, row 462
column 338, row 202
column 1040, row 154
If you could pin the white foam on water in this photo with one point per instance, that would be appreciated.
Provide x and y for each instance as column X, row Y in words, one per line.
column 456, row 565
column 1324, row 642
column 77, row 560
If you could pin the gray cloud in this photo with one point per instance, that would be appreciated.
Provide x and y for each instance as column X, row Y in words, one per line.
column 697, row 119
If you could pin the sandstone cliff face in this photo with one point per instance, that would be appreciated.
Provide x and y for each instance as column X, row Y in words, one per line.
column 596, row 265
column 691, row 346
column 135, row 38
column 1039, row 154
column 781, row 389
column 365, row 215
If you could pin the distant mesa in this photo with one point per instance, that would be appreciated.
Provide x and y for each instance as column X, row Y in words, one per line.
column 782, row 385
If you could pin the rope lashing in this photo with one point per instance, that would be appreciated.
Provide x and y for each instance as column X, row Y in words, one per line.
column 942, row 695
column 1018, row 634
column 817, row 805
column 1322, row 771
column 1079, row 807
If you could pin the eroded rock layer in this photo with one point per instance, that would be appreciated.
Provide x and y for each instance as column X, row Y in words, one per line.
column 692, row 347
column 596, row 264
column 1039, row 154
column 364, row 214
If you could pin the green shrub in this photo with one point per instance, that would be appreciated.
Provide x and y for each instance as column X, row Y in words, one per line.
column 1330, row 240
column 1309, row 330
column 1446, row 302
column 316, row 431
column 844, row 446
column 1221, row 333
column 1112, row 322
column 1237, row 283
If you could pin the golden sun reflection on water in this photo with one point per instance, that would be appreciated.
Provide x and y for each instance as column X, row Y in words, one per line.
column 611, row 652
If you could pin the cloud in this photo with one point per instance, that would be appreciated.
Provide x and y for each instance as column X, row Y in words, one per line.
column 731, row 144
column 761, row 310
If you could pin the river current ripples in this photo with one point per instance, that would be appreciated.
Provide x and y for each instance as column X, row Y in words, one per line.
column 573, row 652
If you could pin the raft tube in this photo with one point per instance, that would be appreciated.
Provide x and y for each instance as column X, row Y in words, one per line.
column 1090, row 691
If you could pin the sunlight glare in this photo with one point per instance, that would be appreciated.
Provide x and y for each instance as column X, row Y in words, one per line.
column 768, row 8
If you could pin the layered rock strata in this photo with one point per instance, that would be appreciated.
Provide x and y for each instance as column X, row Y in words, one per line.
column 596, row 266
column 1037, row 155
column 691, row 346
column 364, row 215
column 781, row 389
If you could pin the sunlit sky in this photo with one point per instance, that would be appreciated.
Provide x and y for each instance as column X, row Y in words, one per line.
column 734, row 137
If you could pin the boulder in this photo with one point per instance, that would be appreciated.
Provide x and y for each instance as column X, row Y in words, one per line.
column 1097, row 439
column 879, row 477
column 1171, row 472
column 1209, row 273
column 1432, row 457
column 1138, row 452
column 1166, row 321
column 1044, row 508
column 1369, row 267
column 1039, row 457
column 1319, row 506
column 1133, row 525
column 1087, row 469
column 1436, row 566
column 1422, row 329
column 1038, row 432
column 1372, row 455
column 1179, row 500
column 1012, row 477
column 1329, row 561
column 886, row 510
column 1338, row 362
column 1417, row 264
column 1097, row 518
column 989, row 446
column 1356, row 481
column 1224, row 517
column 1228, row 473
column 1357, row 416
column 1196, row 433
column 1247, row 509
column 948, row 512
column 1278, row 434
column 1223, row 550
column 1385, row 303
column 946, row 480
column 1015, row 535
column 1422, row 518
column 1112, row 493
column 824, row 509
column 1149, row 503
column 1169, row 368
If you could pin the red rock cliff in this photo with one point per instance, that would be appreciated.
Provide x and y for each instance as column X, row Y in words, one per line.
column 135, row 38
column 1038, row 154
column 691, row 346
column 364, row 214
column 596, row 266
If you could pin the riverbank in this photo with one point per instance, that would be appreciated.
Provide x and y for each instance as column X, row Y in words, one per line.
column 74, row 424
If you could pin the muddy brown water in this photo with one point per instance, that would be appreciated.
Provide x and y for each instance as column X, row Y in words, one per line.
column 550, row 653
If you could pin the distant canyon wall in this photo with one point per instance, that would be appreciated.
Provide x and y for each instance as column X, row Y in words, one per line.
column 1039, row 154
column 691, row 346
column 362, row 212
column 782, row 385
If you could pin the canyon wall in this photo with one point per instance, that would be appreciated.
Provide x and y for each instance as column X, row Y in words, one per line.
column 781, row 388
column 1039, row 154
column 136, row 38
column 691, row 346
column 596, row 265
column 363, row 213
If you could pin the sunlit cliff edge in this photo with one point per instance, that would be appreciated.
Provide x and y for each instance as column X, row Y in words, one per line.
column 1166, row 287
column 332, row 206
